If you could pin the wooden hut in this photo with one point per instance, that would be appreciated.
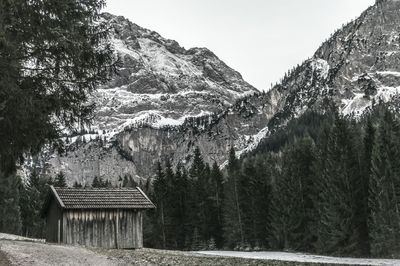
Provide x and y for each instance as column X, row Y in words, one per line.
column 101, row 217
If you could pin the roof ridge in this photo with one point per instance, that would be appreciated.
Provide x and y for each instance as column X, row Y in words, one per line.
column 97, row 188
column 100, row 198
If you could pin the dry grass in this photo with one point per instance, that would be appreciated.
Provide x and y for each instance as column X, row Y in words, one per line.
column 168, row 257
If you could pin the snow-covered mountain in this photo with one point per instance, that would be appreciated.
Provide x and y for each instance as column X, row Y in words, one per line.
column 356, row 66
column 161, row 84
column 168, row 100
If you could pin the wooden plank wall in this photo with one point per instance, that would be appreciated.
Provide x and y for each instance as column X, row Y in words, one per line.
column 98, row 227
column 53, row 216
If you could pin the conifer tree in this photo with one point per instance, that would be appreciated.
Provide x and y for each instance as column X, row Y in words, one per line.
column 77, row 184
column 199, row 174
column 233, row 226
column 33, row 194
column 339, row 228
column 366, row 172
column 293, row 202
column 128, row 181
column 178, row 199
column 10, row 214
column 217, row 196
column 248, row 201
column 60, row 180
column 95, row 182
column 169, row 205
column 160, row 192
column 265, row 172
column 51, row 58
column 384, row 222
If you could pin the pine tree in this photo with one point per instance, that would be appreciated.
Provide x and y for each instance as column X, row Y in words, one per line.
column 60, row 180
column 178, row 198
column 248, row 201
column 10, row 214
column 98, row 182
column 169, row 206
column 95, row 182
column 196, row 240
column 266, row 171
column 199, row 175
column 339, row 174
column 77, row 185
column 159, row 198
column 366, row 169
column 128, row 181
column 233, row 226
column 216, row 196
column 33, row 194
column 384, row 222
column 211, row 245
column 293, row 212
column 49, row 66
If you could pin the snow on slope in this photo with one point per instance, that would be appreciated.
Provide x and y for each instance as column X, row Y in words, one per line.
column 360, row 102
column 299, row 257
column 160, row 84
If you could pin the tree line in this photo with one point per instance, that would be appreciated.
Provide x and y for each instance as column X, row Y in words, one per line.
column 325, row 183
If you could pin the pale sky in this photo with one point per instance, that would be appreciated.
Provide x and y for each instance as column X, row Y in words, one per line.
column 261, row 39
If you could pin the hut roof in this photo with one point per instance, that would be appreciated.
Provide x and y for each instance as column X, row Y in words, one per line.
column 99, row 198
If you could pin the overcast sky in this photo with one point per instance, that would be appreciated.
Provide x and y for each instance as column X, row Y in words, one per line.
column 259, row 38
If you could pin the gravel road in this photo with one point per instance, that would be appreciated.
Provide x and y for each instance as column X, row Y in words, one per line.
column 15, row 250
column 40, row 254
column 24, row 253
column 4, row 259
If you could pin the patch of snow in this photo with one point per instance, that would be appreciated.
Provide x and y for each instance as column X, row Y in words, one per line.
column 390, row 53
column 359, row 103
column 367, row 76
column 86, row 137
column 4, row 236
column 162, row 61
column 300, row 257
column 253, row 141
column 389, row 73
column 223, row 165
column 356, row 105
column 120, row 47
column 152, row 118
column 321, row 66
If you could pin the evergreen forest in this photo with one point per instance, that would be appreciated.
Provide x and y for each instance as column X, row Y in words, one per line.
column 324, row 184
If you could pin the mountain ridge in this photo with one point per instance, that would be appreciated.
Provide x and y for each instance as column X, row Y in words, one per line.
column 355, row 67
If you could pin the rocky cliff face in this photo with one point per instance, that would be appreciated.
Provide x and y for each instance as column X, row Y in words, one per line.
column 167, row 100
column 162, row 99
column 358, row 65
column 160, row 83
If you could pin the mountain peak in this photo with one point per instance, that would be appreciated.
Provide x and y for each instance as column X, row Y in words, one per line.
column 161, row 83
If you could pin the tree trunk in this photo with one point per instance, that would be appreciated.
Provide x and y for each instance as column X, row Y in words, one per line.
column 163, row 225
column 238, row 212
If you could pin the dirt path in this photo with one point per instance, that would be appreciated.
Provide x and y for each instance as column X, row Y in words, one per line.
column 24, row 253
column 3, row 259
column 39, row 254
column 19, row 251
